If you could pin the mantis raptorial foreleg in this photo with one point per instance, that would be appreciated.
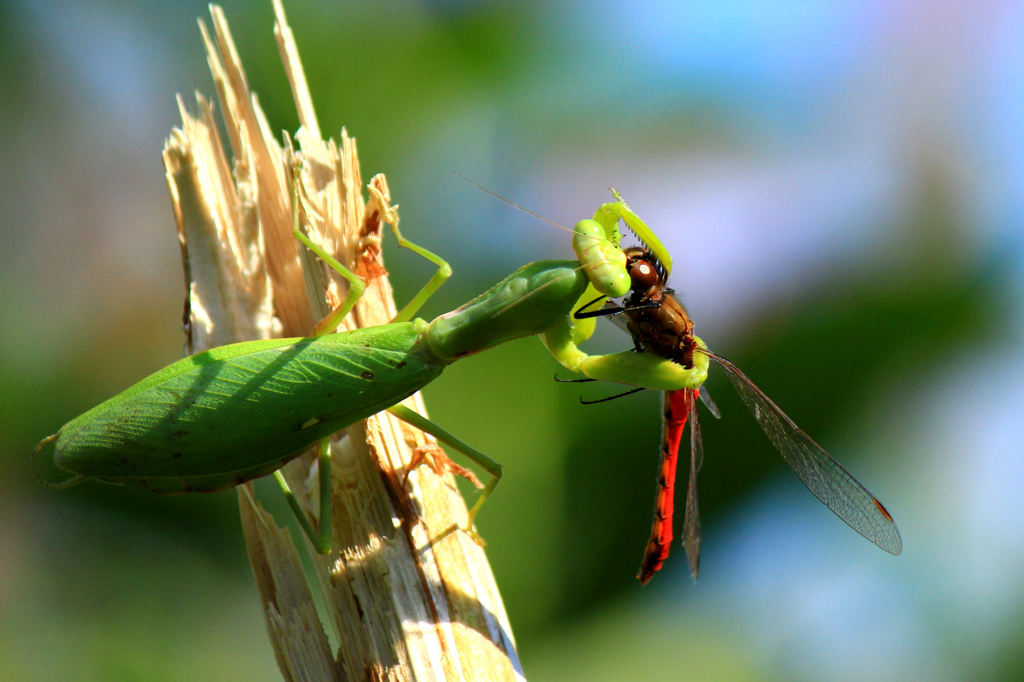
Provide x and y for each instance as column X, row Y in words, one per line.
column 596, row 243
column 608, row 216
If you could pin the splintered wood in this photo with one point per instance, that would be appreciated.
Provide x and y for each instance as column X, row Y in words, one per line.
column 407, row 597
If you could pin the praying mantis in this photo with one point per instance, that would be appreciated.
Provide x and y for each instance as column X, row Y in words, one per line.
column 241, row 411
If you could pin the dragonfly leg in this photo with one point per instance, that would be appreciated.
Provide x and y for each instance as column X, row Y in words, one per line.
column 612, row 310
column 581, row 312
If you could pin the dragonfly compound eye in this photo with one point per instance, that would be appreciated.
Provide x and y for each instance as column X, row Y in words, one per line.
column 643, row 275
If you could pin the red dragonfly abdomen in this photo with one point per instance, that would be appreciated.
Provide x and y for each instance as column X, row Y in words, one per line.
column 677, row 406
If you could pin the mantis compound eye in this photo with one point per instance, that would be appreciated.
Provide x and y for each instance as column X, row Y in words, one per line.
column 643, row 275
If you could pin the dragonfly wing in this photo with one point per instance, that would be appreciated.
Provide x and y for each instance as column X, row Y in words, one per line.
column 691, row 519
column 705, row 398
column 822, row 475
column 618, row 320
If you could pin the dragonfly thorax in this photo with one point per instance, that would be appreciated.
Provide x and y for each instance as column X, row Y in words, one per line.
column 664, row 329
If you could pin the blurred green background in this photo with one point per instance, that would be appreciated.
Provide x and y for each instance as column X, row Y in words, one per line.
column 840, row 184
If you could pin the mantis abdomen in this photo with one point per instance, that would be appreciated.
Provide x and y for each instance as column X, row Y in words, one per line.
column 238, row 412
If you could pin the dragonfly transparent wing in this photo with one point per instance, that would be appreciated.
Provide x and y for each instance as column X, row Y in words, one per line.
column 619, row 320
column 691, row 517
column 705, row 398
column 822, row 475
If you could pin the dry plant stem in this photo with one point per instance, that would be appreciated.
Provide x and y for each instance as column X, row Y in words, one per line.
column 407, row 598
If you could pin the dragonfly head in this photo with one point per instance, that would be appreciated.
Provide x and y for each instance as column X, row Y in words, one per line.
column 644, row 269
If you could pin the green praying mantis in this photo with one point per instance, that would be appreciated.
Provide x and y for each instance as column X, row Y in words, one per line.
column 238, row 412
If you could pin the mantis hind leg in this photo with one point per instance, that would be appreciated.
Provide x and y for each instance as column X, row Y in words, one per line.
column 493, row 468
column 321, row 538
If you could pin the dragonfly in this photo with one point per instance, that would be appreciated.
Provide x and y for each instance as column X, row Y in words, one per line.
column 660, row 325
